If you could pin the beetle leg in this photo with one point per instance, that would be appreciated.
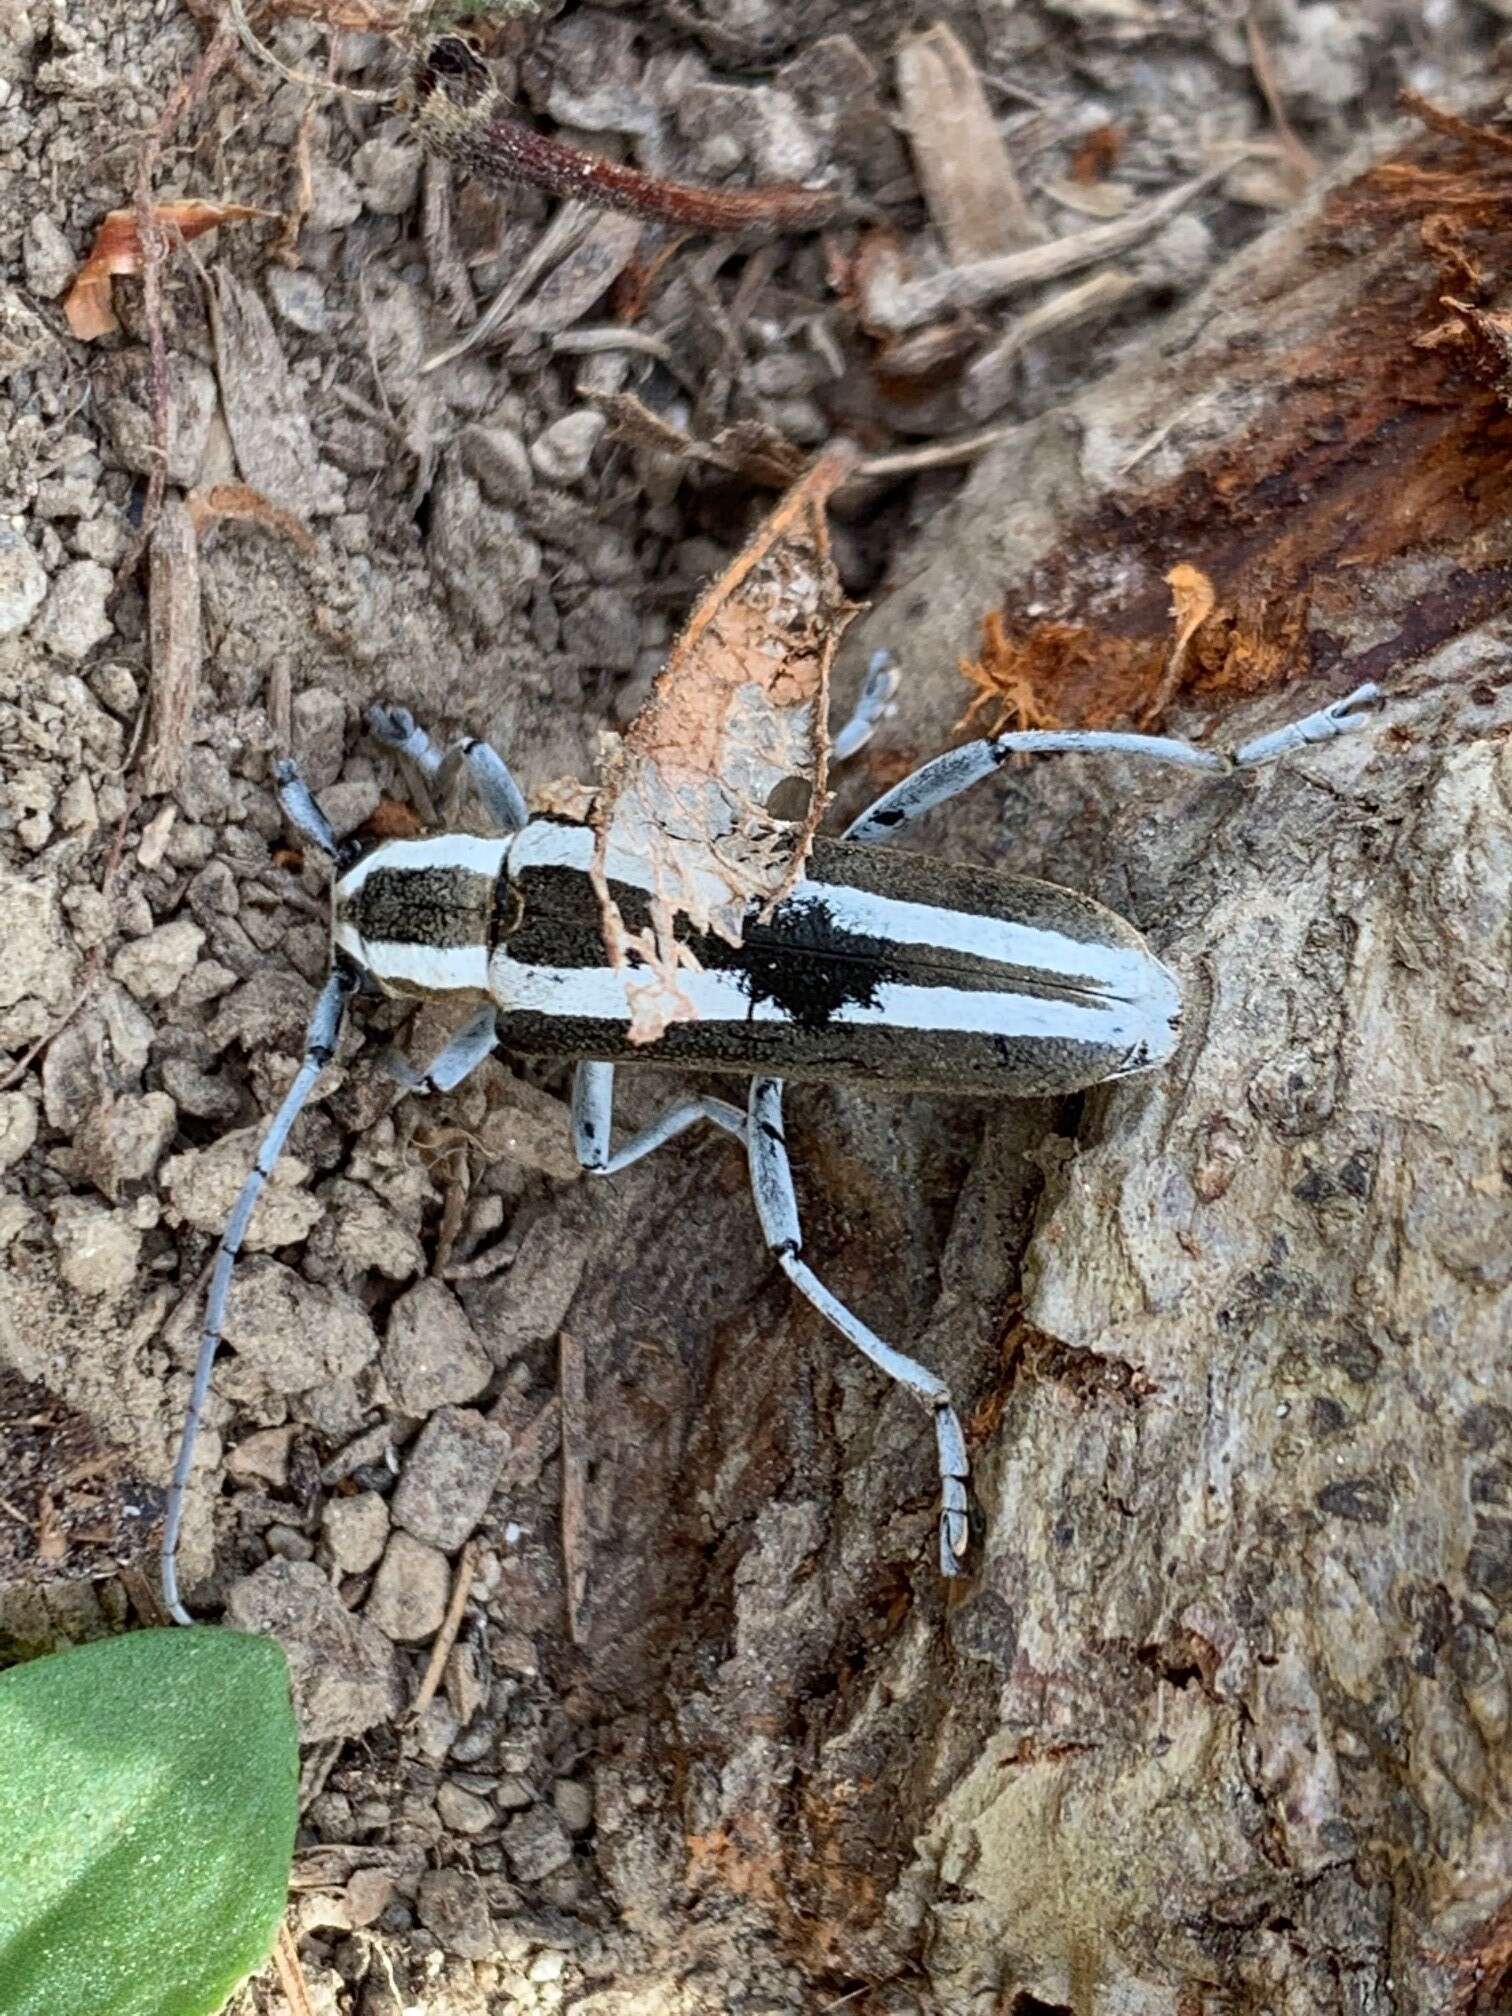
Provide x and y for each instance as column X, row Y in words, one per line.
column 320, row 1044
column 593, row 1118
column 301, row 811
column 473, row 1044
column 500, row 796
column 777, row 1208
column 873, row 704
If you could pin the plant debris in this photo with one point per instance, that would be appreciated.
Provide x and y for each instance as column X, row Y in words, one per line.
column 460, row 112
column 69, row 1504
column 117, row 249
column 964, row 165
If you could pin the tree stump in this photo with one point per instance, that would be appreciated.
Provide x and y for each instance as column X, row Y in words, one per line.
column 1219, row 1722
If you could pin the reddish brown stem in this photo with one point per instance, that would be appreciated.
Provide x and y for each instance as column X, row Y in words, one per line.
column 460, row 112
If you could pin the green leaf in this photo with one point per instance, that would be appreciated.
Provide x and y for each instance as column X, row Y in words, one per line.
column 148, row 1798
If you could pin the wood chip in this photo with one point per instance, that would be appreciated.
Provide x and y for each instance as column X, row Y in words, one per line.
column 263, row 405
column 175, row 639
column 291, row 1975
column 576, row 283
column 967, row 175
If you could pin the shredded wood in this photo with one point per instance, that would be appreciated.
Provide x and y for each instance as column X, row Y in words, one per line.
column 739, row 710
column 894, row 303
column 1002, row 679
column 1193, row 600
column 988, row 383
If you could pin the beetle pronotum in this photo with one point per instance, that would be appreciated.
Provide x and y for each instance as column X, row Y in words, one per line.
column 896, row 971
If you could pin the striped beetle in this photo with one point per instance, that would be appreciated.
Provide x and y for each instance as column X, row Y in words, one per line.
column 897, row 971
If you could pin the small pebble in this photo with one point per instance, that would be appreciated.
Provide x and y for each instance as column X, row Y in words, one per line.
column 99, row 1250
column 573, row 1801
column 18, row 1126
column 562, row 453
column 464, row 1812
column 536, row 1843
column 49, row 260
column 388, row 174
column 264, row 1455
column 288, row 1544
column 74, row 617
column 431, row 1356
column 151, row 968
column 498, row 458
column 343, row 1671
column 449, row 1476
column 299, row 298
column 408, row 1597
column 356, row 1530
column 453, row 1907
column 436, row 1730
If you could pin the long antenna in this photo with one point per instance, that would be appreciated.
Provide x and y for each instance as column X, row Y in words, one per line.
column 320, row 1046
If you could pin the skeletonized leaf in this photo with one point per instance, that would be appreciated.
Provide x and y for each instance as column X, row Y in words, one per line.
column 739, row 710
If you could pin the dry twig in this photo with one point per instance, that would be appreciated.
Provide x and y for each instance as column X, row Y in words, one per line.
column 572, row 1385
column 446, row 1637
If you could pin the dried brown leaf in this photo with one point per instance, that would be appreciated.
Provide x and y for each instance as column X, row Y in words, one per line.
column 247, row 506
column 739, row 710
column 118, row 249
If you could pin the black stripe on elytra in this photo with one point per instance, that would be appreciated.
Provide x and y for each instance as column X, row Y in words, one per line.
column 807, row 965
column 441, row 907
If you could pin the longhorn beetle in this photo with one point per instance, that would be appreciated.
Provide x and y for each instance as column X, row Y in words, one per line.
column 897, row 971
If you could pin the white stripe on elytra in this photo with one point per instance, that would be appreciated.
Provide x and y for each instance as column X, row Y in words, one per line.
column 546, row 844
column 600, row 994
column 471, row 851
column 441, row 969
column 1123, row 972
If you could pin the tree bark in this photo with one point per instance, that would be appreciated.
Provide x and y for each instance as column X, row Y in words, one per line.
column 1220, row 1719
